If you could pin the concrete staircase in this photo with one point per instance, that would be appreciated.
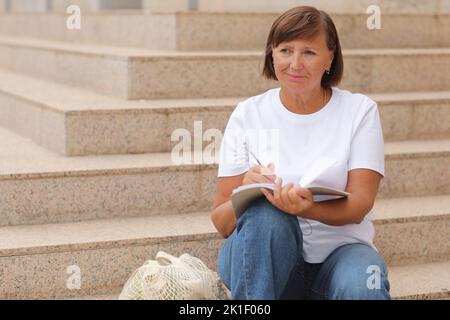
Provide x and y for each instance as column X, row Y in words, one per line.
column 86, row 177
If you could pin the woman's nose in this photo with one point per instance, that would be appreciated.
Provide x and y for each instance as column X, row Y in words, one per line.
column 297, row 62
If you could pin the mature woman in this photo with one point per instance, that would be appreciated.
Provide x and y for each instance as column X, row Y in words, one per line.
column 286, row 245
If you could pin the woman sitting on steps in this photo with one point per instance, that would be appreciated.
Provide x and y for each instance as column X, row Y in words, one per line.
column 285, row 245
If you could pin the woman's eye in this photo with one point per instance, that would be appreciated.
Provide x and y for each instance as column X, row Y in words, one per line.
column 310, row 52
column 284, row 50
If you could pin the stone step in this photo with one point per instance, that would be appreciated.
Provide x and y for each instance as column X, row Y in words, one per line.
column 429, row 281
column 413, row 230
column 421, row 282
column 191, row 31
column 39, row 262
column 38, row 186
column 77, row 122
column 112, row 296
column 139, row 74
column 105, row 252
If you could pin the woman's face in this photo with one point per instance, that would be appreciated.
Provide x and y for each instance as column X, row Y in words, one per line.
column 300, row 64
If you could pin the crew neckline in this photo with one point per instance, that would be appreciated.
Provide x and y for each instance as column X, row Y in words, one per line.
column 303, row 117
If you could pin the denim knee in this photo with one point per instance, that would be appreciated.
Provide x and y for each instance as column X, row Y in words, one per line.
column 224, row 260
column 353, row 272
column 265, row 219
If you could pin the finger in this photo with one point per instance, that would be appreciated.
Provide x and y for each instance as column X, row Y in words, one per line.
column 277, row 192
column 256, row 177
column 304, row 193
column 253, row 178
column 269, row 179
column 299, row 202
column 269, row 170
column 285, row 194
column 256, row 169
column 293, row 196
column 268, row 173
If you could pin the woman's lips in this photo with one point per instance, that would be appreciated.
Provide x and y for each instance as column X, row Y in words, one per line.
column 294, row 77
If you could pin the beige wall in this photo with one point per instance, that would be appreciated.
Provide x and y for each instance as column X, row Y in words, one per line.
column 334, row 6
column 61, row 5
column 85, row 5
column 337, row 6
column 165, row 6
column 28, row 6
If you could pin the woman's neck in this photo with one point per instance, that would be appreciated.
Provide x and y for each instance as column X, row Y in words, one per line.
column 305, row 102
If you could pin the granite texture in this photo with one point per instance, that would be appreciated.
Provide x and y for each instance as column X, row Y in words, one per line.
column 106, row 263
column 423, row 281
column 196, row 31
column 141, row 74
column 397, row 31
column 43, row 200
column 32, row 119
column 105, row 233
column 98, row 72
column 38, row 186
column 411, row 209
column 102, row 270
column 431, row 121
column 72, row 196
column 414, row 242
column 419, row 175
column 77, row 122
column 219, row 31
column 415, row 120
column 116, row 133
column 227, row 76
column 411, row 73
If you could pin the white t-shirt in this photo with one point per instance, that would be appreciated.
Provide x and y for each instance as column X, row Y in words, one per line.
column 347, row 129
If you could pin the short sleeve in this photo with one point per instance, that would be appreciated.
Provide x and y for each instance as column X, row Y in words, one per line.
column 367, row 145
column 233, row 159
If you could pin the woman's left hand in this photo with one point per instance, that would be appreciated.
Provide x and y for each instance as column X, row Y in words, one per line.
column 291, row 198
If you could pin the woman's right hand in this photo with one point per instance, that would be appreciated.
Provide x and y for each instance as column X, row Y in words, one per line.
column 259, row 174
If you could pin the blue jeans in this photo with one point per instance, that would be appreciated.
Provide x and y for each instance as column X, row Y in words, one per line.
column 262, row 259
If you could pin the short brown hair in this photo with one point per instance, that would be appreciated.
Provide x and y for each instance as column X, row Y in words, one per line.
column 305, row 22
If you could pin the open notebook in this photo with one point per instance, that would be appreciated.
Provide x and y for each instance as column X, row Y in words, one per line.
column 243, row 196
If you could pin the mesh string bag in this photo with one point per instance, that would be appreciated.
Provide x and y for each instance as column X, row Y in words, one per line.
column 172, row 278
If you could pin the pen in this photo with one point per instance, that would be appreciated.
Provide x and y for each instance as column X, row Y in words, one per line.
column 264, row 169
column 256, row 158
